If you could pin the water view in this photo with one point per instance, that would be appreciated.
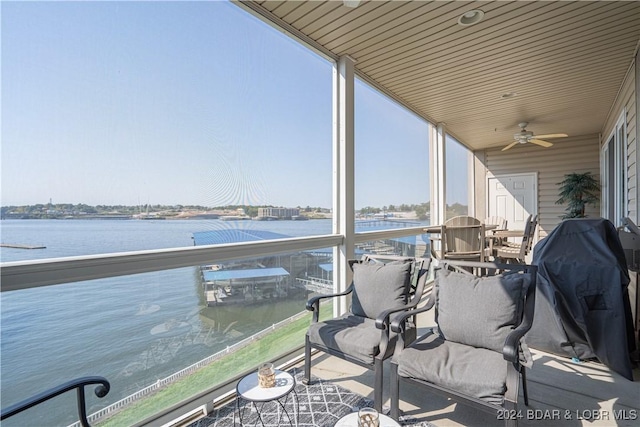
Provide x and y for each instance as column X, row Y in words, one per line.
column 133, row 330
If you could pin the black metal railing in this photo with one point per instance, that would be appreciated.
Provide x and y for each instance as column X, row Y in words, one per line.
column 78, row 384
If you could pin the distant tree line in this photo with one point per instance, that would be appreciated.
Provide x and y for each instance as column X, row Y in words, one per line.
column 61, row 210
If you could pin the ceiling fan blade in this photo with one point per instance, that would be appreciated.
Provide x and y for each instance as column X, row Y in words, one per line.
column 510, row 145
column 552, row 135
column 540, row 142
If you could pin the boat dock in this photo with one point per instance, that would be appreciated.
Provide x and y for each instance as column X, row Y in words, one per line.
column 17, row 246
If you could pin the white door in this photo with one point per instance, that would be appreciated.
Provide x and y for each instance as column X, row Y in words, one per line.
column 513, row 197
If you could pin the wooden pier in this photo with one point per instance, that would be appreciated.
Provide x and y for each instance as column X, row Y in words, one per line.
column 17, row 246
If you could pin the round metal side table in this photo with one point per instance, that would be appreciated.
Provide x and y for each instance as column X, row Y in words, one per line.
column 250, row 392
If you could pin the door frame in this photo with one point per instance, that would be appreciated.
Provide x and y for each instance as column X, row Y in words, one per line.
column 534, row 174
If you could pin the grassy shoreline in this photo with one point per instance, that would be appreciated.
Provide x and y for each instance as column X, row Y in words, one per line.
column 268, row 347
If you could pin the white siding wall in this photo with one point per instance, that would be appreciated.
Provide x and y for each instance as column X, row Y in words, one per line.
column 573, row 154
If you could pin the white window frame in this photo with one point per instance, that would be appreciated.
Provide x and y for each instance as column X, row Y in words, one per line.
column 614, row 154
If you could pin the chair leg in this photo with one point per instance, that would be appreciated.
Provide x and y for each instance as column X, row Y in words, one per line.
column 511, row 422
column 511, row 396
column 377, row 388
column 307, row 361
column 394, row 389
column 524, row 385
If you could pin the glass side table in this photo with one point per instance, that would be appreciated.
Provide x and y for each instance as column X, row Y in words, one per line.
column 251, row 393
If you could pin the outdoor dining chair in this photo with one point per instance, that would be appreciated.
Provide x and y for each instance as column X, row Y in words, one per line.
column 462, row 238
column 382, row 286
column 494, row 223
column 475, row 354
column 517, row 252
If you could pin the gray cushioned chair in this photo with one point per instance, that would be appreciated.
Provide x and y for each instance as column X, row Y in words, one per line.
column 476, row 353
column 382, row 287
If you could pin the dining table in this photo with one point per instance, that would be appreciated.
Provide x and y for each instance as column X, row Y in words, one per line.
column 437, row 229
column 507, row 233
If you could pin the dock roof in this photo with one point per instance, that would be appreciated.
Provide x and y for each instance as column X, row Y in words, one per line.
column 250, row 273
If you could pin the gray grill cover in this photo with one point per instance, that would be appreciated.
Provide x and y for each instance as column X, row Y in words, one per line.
column 582, row 300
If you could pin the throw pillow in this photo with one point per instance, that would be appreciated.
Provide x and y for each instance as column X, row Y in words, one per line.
column 479, row 311
column 380, row 287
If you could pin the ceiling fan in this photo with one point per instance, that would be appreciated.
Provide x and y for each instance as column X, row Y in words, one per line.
column 525, row 136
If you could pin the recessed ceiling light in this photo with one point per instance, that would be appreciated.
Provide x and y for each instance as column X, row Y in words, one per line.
column 508, row 95
column 351, row 3
column 471, row 17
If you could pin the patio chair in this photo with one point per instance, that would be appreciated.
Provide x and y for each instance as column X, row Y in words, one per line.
column 463, row 238
column 436, row 239
column 475, row 354
column 381, row 286
column 517, row 252
column 497, row 223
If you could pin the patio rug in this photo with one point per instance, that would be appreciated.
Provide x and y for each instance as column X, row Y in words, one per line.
column 321, row 404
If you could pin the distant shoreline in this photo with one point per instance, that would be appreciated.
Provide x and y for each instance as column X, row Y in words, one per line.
column 399, row 216
column 153, row 218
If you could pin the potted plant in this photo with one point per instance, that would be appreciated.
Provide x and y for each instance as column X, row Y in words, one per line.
column 578, row 190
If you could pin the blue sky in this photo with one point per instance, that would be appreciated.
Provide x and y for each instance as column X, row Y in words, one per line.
column 185, row 103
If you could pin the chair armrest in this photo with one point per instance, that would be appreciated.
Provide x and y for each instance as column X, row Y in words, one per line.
column 510, row 351
column 398, row 321
column 423, row 274
column 315, row 300
column 383, row 318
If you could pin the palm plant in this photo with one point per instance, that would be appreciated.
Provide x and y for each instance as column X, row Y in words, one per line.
column 578, row 190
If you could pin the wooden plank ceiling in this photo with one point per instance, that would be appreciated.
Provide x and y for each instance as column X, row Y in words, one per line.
column 563, row 60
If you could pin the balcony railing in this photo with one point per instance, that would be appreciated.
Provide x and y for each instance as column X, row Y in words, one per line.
column 21, row 275
column 78, row 384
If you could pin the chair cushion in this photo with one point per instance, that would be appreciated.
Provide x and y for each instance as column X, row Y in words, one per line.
column 472, row 371
column 479, row 311
column 380, row 287
column 353, row 335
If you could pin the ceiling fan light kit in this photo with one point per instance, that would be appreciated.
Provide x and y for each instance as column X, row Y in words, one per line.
column 525, row 136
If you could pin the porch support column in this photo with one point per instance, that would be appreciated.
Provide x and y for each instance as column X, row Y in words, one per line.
column 438, row 173
column 343, row 175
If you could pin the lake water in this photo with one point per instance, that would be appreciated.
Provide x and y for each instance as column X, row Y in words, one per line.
column 133, row 330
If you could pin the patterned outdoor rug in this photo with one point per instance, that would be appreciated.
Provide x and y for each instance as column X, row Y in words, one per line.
column 321, row 404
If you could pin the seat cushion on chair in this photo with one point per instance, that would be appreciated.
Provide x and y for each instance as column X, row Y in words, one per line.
column 476, row 372
column 355, row 336
column 380, row 287
column 479, row 311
